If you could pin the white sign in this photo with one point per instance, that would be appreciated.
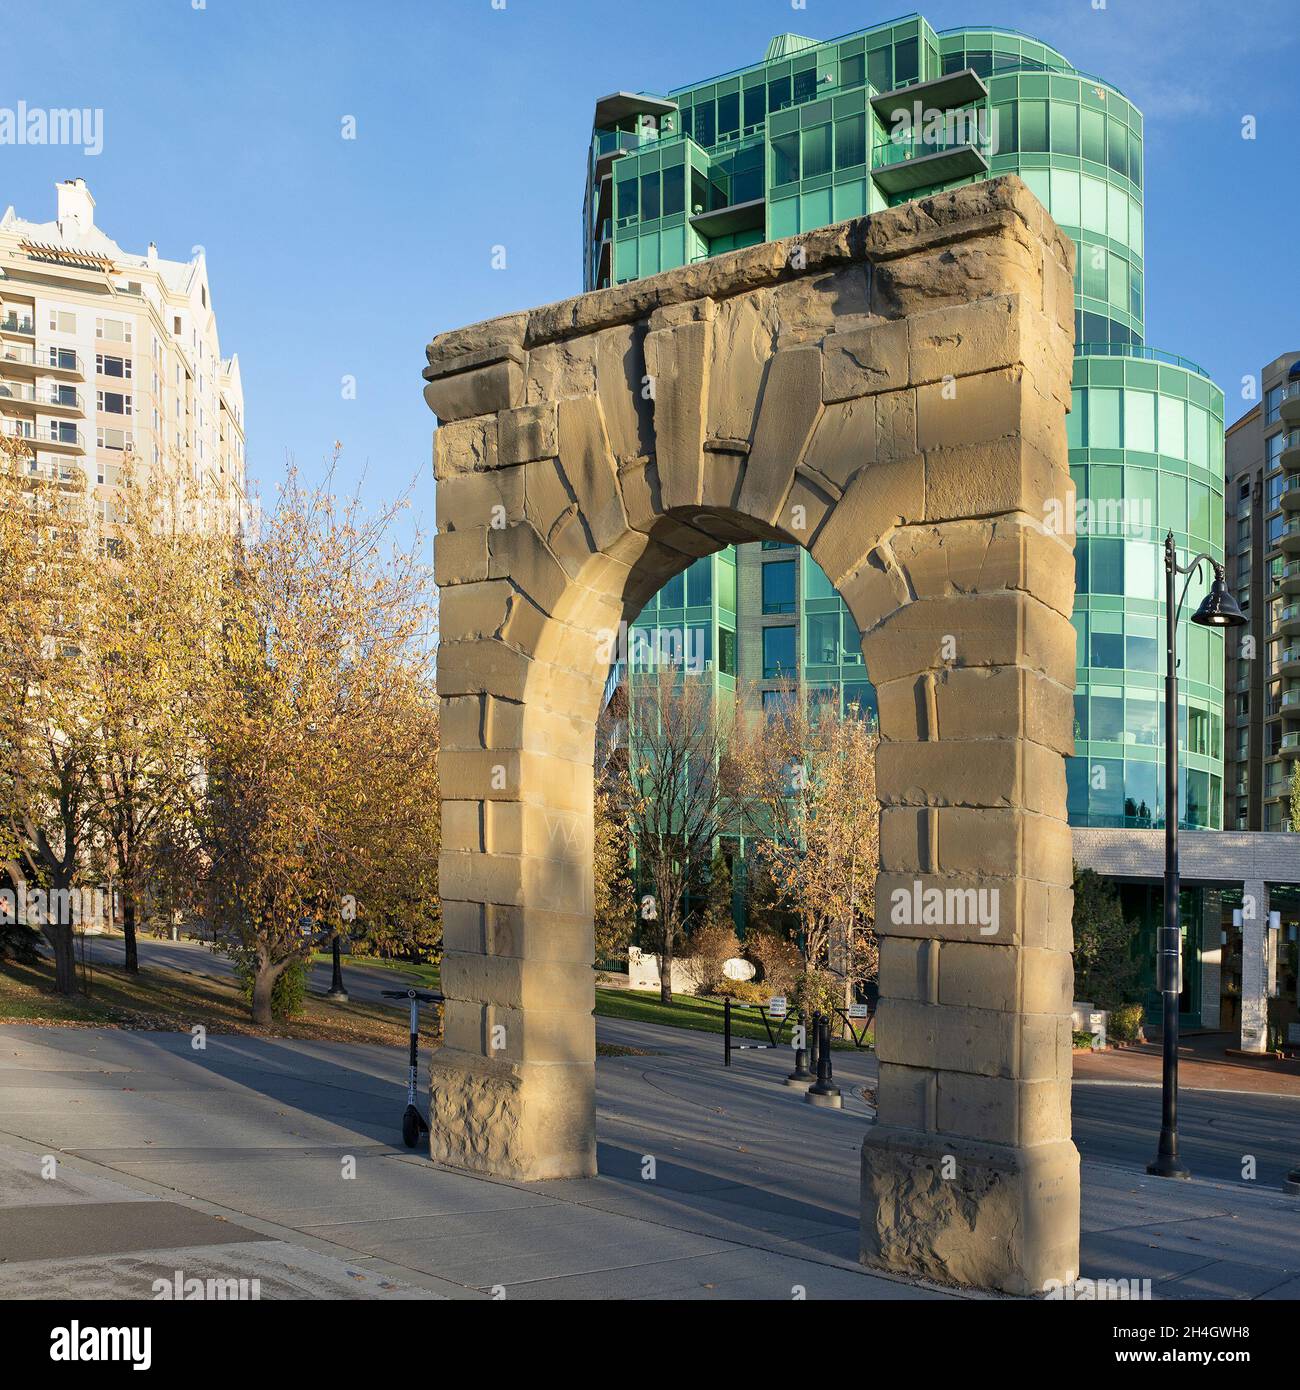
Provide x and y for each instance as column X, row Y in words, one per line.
column 776, row 1006
column 859, row 1011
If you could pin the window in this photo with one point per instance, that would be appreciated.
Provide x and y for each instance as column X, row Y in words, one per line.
column 61, row 322
column 729, row 116
column 699, row 583
column 850, row 141
column 113, row 330
column 674, row 190
column 1108, row 649
column 851, row 646
column 113, row 402
column 113, row 366
column 853, row 70
column 726, row 651
column 650, row 196
column 779, row 587
column 779, row 652
column 785, row 159
column 823, row 639
column 817, row 151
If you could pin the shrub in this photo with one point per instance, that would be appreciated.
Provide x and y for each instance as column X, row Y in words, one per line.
column 1125, row 1024
column 742, row 991
column 712, row 946
column 1104, row 970
column 1083, row 1039
column 287, row 994
column 818, row 992
column 19, row 943
column 778, row 960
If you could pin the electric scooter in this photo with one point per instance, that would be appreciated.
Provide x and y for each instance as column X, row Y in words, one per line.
column 413, row 1123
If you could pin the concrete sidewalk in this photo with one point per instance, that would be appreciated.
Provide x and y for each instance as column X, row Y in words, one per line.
column 713, row 1183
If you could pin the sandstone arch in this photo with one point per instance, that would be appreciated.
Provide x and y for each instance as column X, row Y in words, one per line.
column 890, row 393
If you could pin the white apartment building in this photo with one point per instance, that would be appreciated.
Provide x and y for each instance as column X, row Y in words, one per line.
column 104, row 353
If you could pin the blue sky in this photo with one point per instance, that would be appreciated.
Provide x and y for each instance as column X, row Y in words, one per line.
column 330, row 257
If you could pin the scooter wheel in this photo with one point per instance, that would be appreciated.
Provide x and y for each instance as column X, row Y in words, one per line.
column 411, row 1127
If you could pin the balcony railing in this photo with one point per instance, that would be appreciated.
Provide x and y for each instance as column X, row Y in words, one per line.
column 1141, row 352
column 11, row 323
column 43, row 434
column 58, row 396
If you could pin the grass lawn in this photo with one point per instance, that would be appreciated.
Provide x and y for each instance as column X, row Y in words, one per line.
column 688, row 1011
column 162, row 999
column 427, row 975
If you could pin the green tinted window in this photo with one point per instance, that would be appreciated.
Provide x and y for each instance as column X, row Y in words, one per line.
column 1117, row 145
column 1094, row 135
column 674, row 190
column 1033, row 125
column 785, row 159
column 1103, row 418
column 850, row 141
column 649, row 196
column 853, row 70
column 729, row 115
column 778, row 94
column 817, row 151
column 1065, row 128
column 823, row 639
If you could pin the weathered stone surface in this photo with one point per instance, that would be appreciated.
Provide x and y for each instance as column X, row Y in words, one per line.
column 1008, row 1219
column 475, row 384
column 864, row 361
column 890, row 393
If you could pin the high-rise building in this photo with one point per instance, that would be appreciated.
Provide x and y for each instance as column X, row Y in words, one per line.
column 1262, row 678
column 107, row 357
column 820, row 131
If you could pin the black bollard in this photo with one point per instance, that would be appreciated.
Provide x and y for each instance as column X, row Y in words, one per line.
column 726, row 1032
column 802, row 1075
column 825, row 1091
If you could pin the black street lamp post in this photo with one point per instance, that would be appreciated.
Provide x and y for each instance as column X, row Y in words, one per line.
column 1219, row 609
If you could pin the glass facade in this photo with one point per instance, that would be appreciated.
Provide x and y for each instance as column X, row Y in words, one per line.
column 821, row 131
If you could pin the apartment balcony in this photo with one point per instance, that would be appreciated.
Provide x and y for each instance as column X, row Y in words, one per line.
column 1288, row 661
column 1290, row 455
column 1289, row 704
column 65, row 438
column 1288, row 621
column 1290, row 403
column 1290, row 498
column 1289, row 580
column 1290, row 745
column 899, row 166
column 1289, row 540
column 54, row 400
column 20, row 324
column 735, row 217
column 44, row 359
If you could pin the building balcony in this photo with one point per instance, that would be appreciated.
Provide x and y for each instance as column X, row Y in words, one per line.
column 944, row 93
column 44, row 359
column 1289, row 539
column 1289, row 704
column 49, row 435
column 902, row 165
column 1290, row 498
column 1290, row 745
column 1288, row 661
column 736, row 217
column 1289, row 580
column 55, row 400
column 1290, row 455
column 1288, row 620
column 1290, row 404
column 22, row 325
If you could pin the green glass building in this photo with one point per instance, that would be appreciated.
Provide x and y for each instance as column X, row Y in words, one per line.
column 820, row 131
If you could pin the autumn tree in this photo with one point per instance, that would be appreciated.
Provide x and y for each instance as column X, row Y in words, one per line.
column 152, row 637
column 677, row 745
column 802, row 780
column 320, row 792
column 46, row 560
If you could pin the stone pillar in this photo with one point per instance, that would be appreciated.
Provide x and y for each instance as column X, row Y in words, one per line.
column 1211, row 956
column 1254, row 966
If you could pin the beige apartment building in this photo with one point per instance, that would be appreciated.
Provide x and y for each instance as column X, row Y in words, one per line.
column 107, row 356
column 1262, row 541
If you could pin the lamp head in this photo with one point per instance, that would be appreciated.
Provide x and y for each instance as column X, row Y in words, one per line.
column 1219, row 608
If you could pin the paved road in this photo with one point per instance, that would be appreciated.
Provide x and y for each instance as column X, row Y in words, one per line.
column 363, row 982
column 713, row 1183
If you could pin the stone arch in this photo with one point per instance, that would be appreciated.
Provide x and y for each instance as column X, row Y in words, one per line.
column 889, row 393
